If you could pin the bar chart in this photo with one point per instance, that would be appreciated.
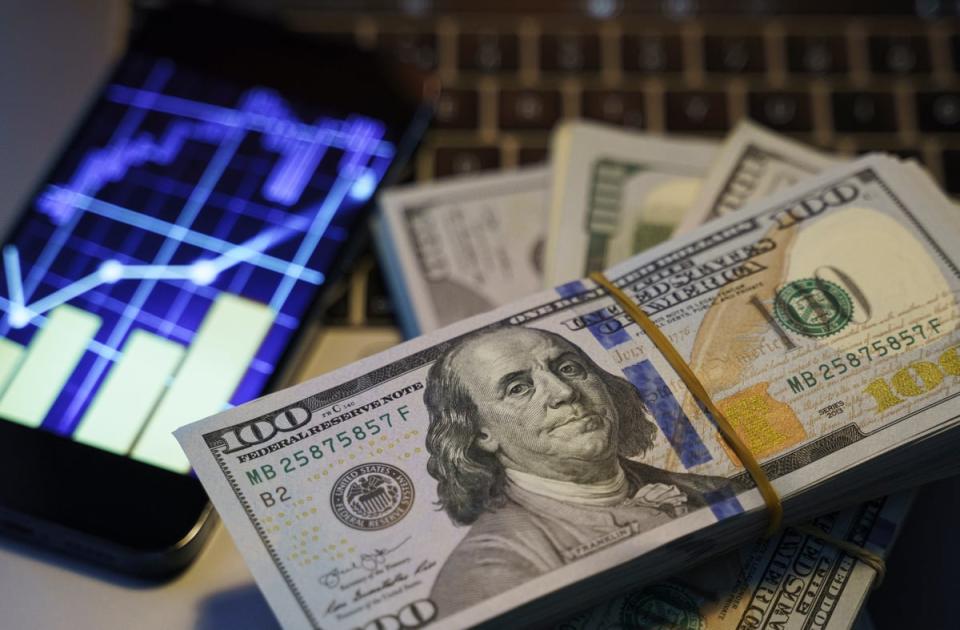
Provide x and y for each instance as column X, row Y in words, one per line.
column 43, row 368
column 172, row 254
column 132, row 389
column 218, row 358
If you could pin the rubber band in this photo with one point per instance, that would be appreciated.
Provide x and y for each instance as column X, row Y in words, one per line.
column 872, row 560
column 769, row 494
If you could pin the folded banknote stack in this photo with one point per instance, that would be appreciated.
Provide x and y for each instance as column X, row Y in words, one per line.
column 533, row 460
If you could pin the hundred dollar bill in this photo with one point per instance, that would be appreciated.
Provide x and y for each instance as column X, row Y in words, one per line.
column 462, row 247
column 751, row 164
column 615, row 194
column 792, row 581
column 459, row 248
column 534, row 459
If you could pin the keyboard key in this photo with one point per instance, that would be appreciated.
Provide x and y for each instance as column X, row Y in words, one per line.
column 417, row 49
column 907, row 154
column 529, row 109
column 734, row 54
column 456, row 109
column 652, row 53
column 614, row 106
column 899, row 55
column 569, row 53
column 938, row 111
column 379, row 307
column 816, row 55
column 339, row 37
column 864, row 112
column 783, row 111
column 338, row 312
column 488, row 52
column 457, row 160
column 696, row 111
column 532, row 155
column 951, row 171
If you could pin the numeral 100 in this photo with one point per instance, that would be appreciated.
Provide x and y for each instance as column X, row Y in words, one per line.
column 917, row 378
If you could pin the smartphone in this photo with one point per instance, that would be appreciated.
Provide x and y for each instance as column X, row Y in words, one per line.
column 165, row 266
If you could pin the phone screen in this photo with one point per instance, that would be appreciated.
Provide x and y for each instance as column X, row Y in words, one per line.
column 166, row 262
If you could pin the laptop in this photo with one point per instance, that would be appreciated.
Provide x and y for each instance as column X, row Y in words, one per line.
column 849, row 77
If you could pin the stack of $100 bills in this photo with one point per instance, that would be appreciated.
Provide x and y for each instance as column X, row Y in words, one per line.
column 531, row 459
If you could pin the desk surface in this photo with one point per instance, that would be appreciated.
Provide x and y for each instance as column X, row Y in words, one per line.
column 45, row 590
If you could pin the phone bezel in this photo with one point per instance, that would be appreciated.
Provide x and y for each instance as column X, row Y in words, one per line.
column 89, row 502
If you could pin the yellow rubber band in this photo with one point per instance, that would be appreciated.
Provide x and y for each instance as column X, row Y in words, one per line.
column 770, row 496
column 875, row 562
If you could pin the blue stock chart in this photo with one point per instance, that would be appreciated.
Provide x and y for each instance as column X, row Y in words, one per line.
column 167, row 260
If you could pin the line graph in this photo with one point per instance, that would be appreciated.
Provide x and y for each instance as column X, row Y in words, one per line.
column 202, row 272
column 171, row 203
column 300, row 146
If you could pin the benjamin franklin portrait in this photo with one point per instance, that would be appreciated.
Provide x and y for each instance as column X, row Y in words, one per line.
column 534, row 447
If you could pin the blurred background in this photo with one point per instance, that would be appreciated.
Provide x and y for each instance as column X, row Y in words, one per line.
column 848, row 77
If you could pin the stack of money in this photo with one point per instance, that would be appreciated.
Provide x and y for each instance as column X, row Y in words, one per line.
column 526, row 464
column 464, row 246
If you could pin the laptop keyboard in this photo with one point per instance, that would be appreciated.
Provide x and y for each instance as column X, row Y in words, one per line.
column 845, row 84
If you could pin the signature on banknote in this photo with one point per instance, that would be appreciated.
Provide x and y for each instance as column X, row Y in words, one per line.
column 364, row 565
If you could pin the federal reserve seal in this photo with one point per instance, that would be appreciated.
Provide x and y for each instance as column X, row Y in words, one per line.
column 372, row 496
column 813, row 307
column 661, row 607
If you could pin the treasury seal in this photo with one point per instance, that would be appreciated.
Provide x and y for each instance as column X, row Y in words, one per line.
column 661, row 607
column 372, row 496
column 813, row 307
